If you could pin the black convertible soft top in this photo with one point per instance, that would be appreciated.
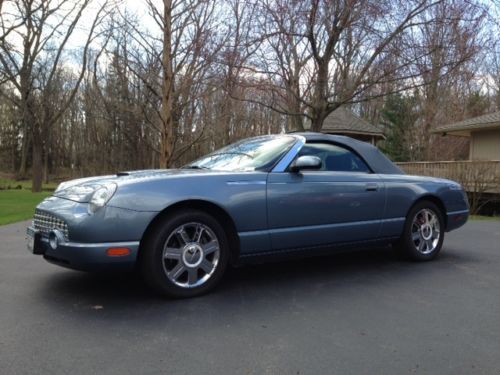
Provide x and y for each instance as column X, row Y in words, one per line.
column 377, row 161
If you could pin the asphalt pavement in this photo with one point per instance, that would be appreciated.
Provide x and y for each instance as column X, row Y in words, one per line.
column 362, row 313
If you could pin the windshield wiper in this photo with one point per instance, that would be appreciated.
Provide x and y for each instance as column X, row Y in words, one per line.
column 194, row 166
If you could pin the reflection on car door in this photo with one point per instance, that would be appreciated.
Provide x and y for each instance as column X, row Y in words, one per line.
column 315, row 208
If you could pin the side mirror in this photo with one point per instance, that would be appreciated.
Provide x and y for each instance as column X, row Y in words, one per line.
column 306, row 162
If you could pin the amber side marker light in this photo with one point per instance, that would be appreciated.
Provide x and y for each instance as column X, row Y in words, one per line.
column 118, row 252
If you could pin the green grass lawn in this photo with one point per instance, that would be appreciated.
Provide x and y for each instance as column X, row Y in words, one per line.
column 484, row 218
column 23, row 184
column 18, row 205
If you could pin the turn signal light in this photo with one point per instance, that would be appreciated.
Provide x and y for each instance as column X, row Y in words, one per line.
column 118, row 252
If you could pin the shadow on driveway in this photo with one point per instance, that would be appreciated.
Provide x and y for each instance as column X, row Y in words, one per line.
column 278, row 283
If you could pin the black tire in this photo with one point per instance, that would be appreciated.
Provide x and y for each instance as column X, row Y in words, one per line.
column 154, row 265
column 418, row 241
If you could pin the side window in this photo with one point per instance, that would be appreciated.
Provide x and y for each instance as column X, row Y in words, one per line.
column 335, row 158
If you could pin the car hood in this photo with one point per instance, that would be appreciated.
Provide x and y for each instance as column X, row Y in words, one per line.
column 81, row 189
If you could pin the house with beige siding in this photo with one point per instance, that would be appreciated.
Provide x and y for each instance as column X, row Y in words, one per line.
column 484, row 134
column 479, row 174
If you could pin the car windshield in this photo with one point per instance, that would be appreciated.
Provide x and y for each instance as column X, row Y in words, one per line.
column 260, row 153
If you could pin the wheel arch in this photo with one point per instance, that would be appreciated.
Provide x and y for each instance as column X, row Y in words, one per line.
column 434, row 199
column 210, row 208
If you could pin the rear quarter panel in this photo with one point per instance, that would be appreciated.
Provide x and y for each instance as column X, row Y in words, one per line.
column 404, row 190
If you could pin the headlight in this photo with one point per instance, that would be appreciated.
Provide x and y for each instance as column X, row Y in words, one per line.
column 68, row 184
column 101, row 196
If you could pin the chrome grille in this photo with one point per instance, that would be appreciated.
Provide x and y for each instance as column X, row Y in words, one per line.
column 45, row 222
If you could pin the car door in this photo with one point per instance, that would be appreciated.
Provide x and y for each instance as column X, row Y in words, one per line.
column 340, row 203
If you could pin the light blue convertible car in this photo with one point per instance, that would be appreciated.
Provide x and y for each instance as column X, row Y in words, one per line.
column 263, row 197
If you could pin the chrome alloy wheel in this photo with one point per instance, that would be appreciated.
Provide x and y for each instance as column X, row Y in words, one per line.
column 425, row 231
column 190, row 255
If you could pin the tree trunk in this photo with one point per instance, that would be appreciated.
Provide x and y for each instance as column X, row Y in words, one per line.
column 295, row 122
column 37, row 166
column 27, row 122
column 317, row 121
column 21, row 174
column 46, row 166
column 320, row 102
column 167, row 134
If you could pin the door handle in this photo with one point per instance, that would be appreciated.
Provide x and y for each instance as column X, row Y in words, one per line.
column 371, row 186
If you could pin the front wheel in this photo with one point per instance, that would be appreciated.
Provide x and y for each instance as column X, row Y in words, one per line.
column 423, row 233
column 185, row 255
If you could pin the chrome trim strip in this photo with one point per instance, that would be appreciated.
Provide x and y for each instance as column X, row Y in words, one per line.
column 320, row 226
column 101, row 244
column 394, row 219
column 246, row 182
column 309, row 227
column 290, row 155
column 457, row 212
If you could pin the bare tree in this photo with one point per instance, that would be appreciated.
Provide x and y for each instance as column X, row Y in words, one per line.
column 282, row 58
column 491, row 62
column 193, row 75
column 443, row 51
column 236, row 51
column 167, row 97
column 342, row 49
column 44, row 23
column 185, row 50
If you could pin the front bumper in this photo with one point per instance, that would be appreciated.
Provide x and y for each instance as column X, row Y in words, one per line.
column 83, row 256
column 85, row 238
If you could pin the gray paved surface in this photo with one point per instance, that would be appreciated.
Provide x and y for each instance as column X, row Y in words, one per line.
column 365, row 313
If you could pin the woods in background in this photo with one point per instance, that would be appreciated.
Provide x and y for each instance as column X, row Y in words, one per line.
column 93, row 87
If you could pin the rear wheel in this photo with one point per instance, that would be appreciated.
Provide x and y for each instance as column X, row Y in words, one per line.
column 423, row 233
column 185, row 255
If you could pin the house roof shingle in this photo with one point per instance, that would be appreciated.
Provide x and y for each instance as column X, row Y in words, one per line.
column 342, row 120
column 489, row 121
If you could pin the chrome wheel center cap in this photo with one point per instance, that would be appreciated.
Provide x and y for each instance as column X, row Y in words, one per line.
column 426, row 231
column 192, row 255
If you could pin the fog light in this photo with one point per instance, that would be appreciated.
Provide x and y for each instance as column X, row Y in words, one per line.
column 118, row 252
column 55, row 238
column 53, row 242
